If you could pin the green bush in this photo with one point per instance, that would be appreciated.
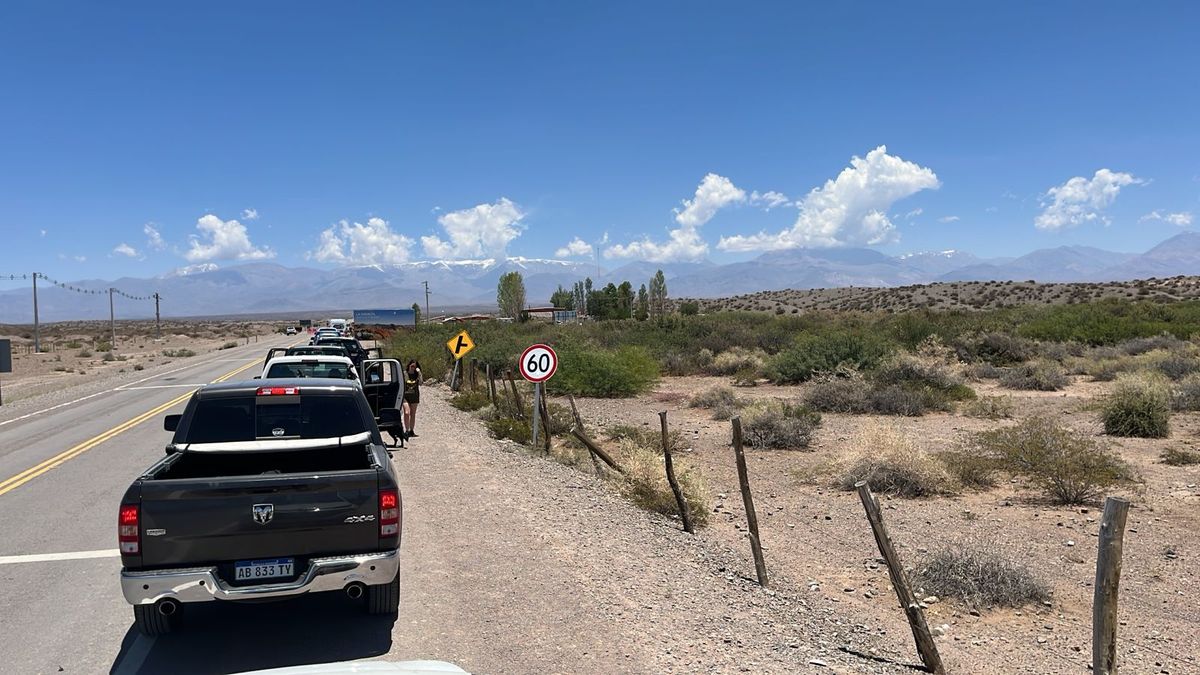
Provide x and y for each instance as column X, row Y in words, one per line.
column 845, row 391
column 713, row 397
column 736, row 359
column 1139, row 407
column 1038, row 376
column 970, row 469
column 815, row 353
column 1073, row 468
column 509, row 428
column 625, row 372
column 775, row 424
column 470, row 400
column 980, row 578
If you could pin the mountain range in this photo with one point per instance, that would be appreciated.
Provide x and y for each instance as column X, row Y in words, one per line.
column 259, row 288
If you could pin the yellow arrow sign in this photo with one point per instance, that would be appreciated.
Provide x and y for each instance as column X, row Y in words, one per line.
column 460, row 344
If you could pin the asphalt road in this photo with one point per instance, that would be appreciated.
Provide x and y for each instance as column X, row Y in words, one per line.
column 62, row 474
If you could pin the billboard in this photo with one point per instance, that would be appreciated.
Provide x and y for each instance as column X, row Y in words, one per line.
column 385, row 317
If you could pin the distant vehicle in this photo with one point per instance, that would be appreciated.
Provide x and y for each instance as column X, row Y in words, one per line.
column 269, row 490
column 353, row 348
column 334, row 367
column 324, row 331
column 342, row 326
column 290, row 330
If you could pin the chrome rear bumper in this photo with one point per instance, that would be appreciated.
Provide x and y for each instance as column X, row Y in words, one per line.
column 202, row 584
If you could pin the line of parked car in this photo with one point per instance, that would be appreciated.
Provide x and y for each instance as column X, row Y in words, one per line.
column 272, row 488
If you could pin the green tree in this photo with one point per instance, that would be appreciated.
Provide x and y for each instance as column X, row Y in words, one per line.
column 625, row 299
column 562, row 298
column 416, row 308
column 689, row 308
column 643, row 304
column 580, row 298
column 510, row 295
column 658, row 295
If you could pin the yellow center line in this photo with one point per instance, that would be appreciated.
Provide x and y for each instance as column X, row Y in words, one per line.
column 33, row 472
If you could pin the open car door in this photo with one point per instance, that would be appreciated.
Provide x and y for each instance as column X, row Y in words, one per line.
column 383, row 385
column 272, row 353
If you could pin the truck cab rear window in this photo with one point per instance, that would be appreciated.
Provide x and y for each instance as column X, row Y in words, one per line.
column 248, row 419
column 338, row 371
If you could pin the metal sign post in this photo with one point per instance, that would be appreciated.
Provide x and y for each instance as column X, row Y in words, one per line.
column 5, row 360
column 537, row 411
column 538, row 363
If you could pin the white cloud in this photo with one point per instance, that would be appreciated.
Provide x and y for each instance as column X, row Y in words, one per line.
column 43, row 232
column 79, row 258
column 153, row 239
column 847, row 210
column 991, row 209
column 1182, row 219
column 125, row 250
column 1081, row 200
column 684, row 244
column 483, row 230
column 223, row 240
column 949, row 219
column 914, row 213
column 250, row 214
column 576, row 248
column 712, row 194
column 769, row 199
column 356, row 244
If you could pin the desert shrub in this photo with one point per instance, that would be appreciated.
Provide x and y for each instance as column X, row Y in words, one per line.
column 998, row 349
column 1059, row 351
column 689, row 308
column 1107, row 370
column 509, row 428
column 470, row 400
column 969, row 468
column 108, row 356
column 138, row 366
column 775, row 424
column 713, row 397
column 624, row 372
column 1038, row 376
column 990, row 407
column 103, row 346
column 1148, row 344
column 645, row 482
column 228, row 345
column 984, row 371
column 1185, row 394
column 746, row 377
column 60, row 369
column 1175, row 365
column 891, row 463
column 1180, row 457
column 731, row 361
column 1071, row 467
column 814, row 353
column 84, row 354
column 980, row 577
column 1139, row 407
column 932, row 385
column 844, row 391
column 178, row 353
column 73, row 344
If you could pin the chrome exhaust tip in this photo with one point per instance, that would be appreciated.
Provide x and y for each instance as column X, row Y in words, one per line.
column 168, row 607
column 355, row 591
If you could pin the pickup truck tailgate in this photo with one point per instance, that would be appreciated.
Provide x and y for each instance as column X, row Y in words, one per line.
column 298, row 515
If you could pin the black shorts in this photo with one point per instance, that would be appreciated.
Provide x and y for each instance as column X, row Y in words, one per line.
column 412, row 398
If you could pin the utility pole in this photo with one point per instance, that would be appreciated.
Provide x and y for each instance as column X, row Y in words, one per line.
column 427, row 317
column 157, row 321
column 37, row 333
column 112, row 321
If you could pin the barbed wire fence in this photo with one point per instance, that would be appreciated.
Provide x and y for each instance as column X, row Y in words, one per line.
column 110, row 292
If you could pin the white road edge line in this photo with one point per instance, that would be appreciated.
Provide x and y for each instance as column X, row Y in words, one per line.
column 163, row 386
column 53, row 557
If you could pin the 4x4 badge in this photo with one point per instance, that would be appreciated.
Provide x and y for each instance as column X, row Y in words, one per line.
column 263, row 513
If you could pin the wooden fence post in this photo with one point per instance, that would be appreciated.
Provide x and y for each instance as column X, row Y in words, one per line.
column 516, row 395
column 916, row 618
column 1108, row 578
column 685, row 513
column 597, row 450
column 545, row 415
column 760, row 565
column 579, row 425
column 491, row 385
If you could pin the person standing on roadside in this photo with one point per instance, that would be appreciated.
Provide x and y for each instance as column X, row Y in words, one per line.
column 412, row 395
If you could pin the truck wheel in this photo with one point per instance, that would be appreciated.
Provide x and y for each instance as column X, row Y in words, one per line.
column 385, row 598
column 150, row 622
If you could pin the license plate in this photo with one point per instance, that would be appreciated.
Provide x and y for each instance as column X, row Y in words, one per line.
column 249, row 570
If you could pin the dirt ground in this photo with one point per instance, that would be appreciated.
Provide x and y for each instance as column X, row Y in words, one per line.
column 72, row 351
column 819, row 545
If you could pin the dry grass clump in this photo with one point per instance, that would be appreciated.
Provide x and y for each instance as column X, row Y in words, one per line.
column 842, row 391
column 736, row 359
column 990, row 408
column 645, row 482
column 1180, row 457
column 714, row 397
column 1072, row 468
column 891, row 463
column 775, row 424
column 1185, row 394
column 980, row 578
column 1139, row 406
column 1037, row 376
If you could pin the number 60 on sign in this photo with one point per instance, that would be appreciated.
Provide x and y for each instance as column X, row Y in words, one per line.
column 538, row 363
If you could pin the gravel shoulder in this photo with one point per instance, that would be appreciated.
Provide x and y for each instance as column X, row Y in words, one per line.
column 515, row 563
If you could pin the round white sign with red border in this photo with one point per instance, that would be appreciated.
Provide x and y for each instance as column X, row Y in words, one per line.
column 538, row 363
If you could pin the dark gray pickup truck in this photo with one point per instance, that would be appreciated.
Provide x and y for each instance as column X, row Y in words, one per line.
column 269, row 489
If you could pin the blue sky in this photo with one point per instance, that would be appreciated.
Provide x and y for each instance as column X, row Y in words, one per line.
column 344, row 133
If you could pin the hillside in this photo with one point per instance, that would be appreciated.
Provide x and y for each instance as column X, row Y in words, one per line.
column 956, row 295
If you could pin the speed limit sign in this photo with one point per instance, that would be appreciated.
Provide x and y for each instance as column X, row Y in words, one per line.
column 538, row 363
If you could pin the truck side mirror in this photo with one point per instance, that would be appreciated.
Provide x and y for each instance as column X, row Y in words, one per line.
column 171, row 422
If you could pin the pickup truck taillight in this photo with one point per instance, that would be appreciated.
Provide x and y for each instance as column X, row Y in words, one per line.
column 389, row 513
column 128, row 531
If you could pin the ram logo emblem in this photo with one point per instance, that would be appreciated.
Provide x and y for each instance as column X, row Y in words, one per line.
column 263, row 513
